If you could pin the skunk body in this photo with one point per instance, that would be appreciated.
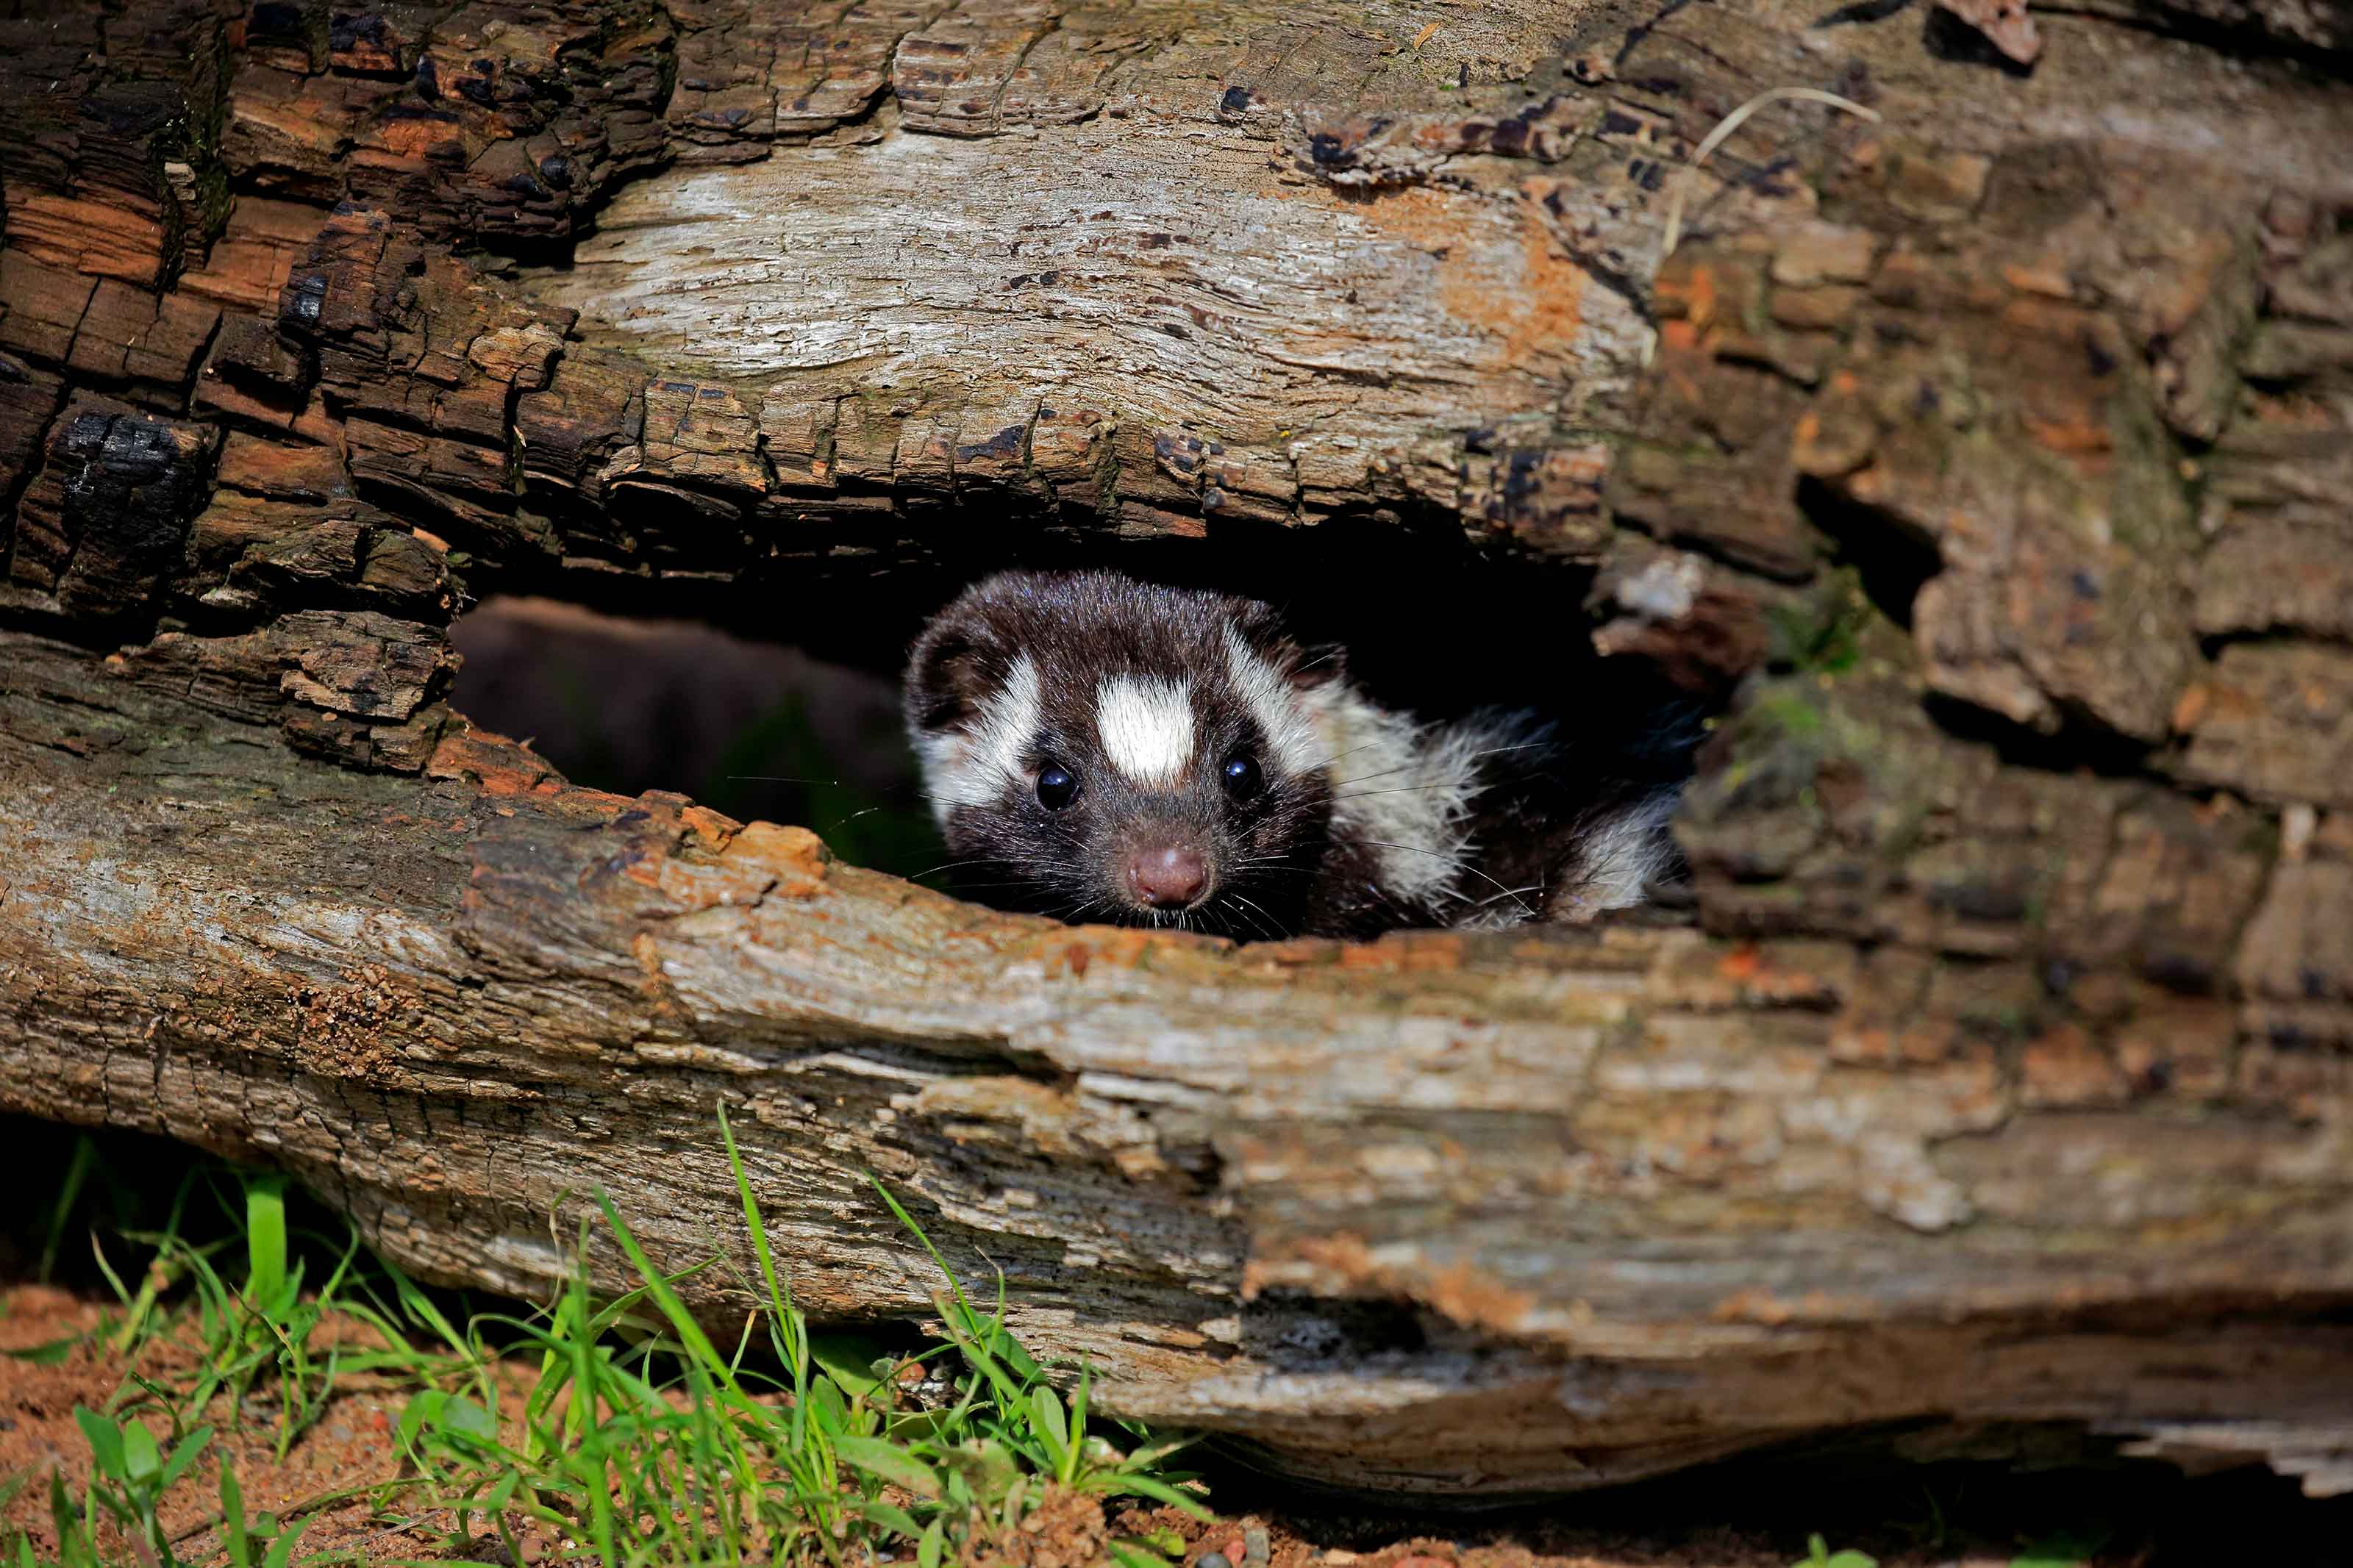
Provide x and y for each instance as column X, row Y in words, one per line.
column 1098, row 748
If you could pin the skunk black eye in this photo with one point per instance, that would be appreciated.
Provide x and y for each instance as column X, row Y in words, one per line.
column 1242, row 779
column 1056, row 787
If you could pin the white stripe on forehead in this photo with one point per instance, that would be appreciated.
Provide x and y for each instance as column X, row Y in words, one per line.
column 1146, row 725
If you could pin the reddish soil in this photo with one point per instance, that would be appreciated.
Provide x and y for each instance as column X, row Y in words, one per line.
column 350, row 1445
column 2154, row 1522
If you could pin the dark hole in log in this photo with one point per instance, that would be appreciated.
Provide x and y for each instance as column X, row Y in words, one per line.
column 1893, row 559
column 764, row 701
column 751, row 729
column 2075, row 745
column 1302, row 1332
column 1429, row 620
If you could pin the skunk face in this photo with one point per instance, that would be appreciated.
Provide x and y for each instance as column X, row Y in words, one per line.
column 1098, row 748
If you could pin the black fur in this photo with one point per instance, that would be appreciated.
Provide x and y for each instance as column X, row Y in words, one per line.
column 1279, row 865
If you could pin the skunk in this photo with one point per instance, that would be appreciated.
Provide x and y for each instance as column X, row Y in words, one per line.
column 1099, row 748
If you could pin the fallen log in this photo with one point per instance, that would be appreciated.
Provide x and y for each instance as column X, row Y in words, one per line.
column 1448, row 1211
column 1993, row 452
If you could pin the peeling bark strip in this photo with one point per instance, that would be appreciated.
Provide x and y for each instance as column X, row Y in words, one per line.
column 1984, row 1086
column 1446, row 1213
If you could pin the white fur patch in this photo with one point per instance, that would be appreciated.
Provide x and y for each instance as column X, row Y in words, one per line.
column 1406, row 789
column 1295, row 748
column 1146, row 725
column 1626, row 853
column 976, row 767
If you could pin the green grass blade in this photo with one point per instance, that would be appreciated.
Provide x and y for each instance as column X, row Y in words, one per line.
column 1113, row 1483
column 682, row 1322
column 240, row 1544
column 281, row 1551
column 779, row 1298
column 113, row 1281
column 265, row 1238
column 77, row 1169
column 909, row 1221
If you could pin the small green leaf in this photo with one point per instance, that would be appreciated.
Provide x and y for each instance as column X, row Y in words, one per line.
column 183, row 1456
column 826, row 1407
column 927, row 1550
column 1819, row 1555
column 51, row 1354
column 1047, row 1419
column 987, row 1467
column 848, row 1358
column 1130, row 1552
column 881, row 1460
column 892, row 1518
column 462, row 1416
column 2067, row 1549
column 105, row 1439
column 423, row 1410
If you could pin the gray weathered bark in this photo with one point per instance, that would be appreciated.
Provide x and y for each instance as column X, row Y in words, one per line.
column 1995, row 452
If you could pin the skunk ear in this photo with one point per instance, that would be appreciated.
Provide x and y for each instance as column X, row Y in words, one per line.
column 1302, row 664
column 949, row 676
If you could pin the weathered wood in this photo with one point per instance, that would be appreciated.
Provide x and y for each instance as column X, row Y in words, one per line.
column 1450, row 1213
column 1994, row 452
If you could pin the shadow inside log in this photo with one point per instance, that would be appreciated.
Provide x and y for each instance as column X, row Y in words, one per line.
column 1998, row 1495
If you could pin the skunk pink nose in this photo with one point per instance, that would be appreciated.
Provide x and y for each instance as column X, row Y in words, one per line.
column 1167, row 878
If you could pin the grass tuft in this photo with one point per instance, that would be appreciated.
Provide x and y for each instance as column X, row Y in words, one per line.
column 620, row 1429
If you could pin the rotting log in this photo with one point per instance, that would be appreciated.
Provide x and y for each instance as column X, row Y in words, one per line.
column 1995, row 454
column 1449, row 1211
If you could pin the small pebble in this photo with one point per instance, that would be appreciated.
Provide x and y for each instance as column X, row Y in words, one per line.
column 1233, row 1549
column 1422, row 1563
column 1214, row 1560
column 1256, row 1547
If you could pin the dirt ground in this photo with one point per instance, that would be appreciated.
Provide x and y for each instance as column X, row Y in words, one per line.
column 1925, row 1517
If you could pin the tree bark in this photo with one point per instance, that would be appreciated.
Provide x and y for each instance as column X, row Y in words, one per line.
column 1993, row 454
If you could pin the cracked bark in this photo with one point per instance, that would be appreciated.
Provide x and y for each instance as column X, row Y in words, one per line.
column 1992, row 458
